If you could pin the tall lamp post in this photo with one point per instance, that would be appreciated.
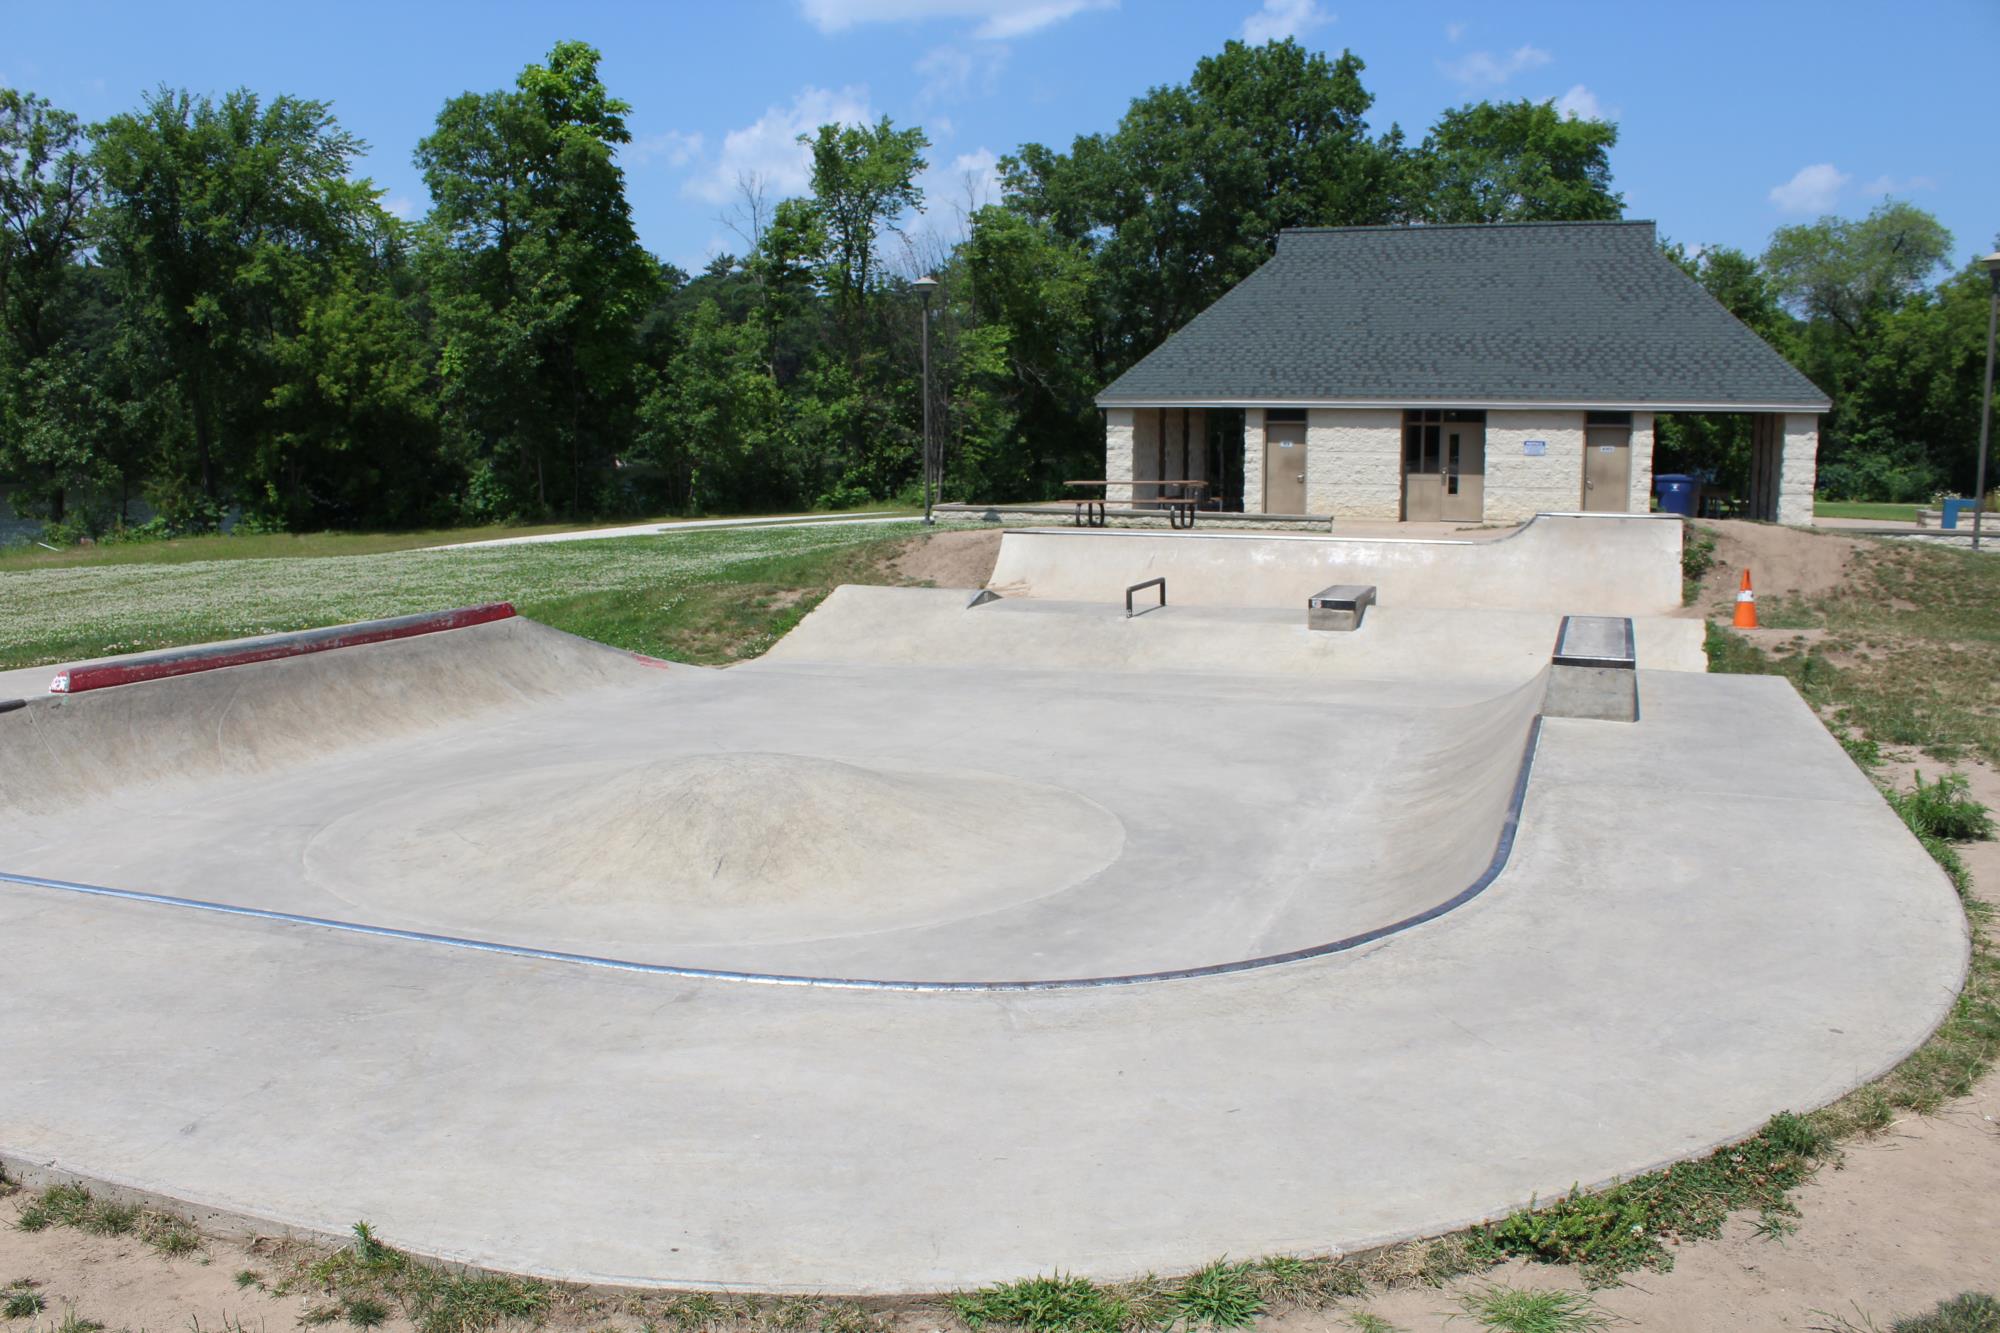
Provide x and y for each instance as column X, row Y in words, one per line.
column 925, row 286
column 1992, row 263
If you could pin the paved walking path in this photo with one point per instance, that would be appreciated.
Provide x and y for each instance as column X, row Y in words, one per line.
column 689, row 525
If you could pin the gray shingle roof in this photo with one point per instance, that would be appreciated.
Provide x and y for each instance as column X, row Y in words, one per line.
column 1553, row 312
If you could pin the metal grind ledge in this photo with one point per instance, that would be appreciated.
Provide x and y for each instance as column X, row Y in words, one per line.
column 183, row 662
column 1593, row 671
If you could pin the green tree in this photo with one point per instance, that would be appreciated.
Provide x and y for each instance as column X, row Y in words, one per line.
column 1515, row 162
column 1186, row 197
column 537, row 282
column 1030, row 359
column 1846, row 271
column 221, row 220
column 864, row 180
column 1859, row 290
column 48, row 406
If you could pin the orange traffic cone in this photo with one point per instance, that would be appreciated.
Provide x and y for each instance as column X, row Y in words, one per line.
column 1746, row 605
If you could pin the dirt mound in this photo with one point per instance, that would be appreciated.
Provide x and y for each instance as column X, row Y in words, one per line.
column 951, row 559
column 1783, row 562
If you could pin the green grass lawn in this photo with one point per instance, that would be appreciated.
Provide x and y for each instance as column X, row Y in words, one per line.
column 1865, row 509
column 289, row 545
column 702, row 596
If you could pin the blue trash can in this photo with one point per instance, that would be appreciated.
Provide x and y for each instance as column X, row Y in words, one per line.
column 1676, row 492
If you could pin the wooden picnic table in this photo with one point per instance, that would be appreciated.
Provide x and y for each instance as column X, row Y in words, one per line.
column 1180, row 508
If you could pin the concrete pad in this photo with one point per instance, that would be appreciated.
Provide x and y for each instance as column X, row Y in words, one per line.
column 1619, row 994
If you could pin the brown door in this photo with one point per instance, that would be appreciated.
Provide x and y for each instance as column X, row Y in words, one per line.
column 1607, row 469
column 1285, row 467
column 1423, row 469
column 1464, row 479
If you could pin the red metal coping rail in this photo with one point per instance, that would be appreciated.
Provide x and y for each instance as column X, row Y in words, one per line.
column 159, row 666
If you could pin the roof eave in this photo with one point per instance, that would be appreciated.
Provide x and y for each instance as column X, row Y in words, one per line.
column 1814, row 406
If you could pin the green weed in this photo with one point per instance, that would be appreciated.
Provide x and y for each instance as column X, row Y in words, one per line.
column 1943, row 809
column 367, row 1312
column 1630, row 1225
column 72, row 1322
column 1697, row 558
column 1364, row 1322
column 1970, row 1312
column 1518, row 1311
column 1222, row 1295
column 1055, row 1304
column 21, row 1301
column 1283, row 1279
column 249, row 1277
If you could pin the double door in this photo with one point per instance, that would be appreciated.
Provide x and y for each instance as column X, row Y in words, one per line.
column 1444, row 467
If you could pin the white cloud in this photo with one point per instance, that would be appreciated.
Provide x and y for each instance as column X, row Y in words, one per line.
column 1812, row 189
column 1482, row 69
column 1279, row 19
column 399, row 207
column 769, row 149
column 998, row 20
column 1453, row 31
column 1889, row 185
column 952, row 73
column 1579, row 103
column 673, row 147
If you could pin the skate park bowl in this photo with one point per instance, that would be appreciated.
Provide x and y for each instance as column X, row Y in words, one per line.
column 946, row 943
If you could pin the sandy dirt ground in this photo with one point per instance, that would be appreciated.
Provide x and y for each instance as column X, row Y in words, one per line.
column 1783, row 562
column 961, row 558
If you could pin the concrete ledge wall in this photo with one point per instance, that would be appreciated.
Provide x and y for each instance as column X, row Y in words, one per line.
column 1576, row 564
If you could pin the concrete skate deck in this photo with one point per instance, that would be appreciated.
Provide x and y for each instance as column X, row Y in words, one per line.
column 1568, row 564
column 1621, row 994
column 926, row 627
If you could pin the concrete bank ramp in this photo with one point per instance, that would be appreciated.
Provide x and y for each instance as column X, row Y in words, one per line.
column 1575, row 564
column 60, row 750
column 935, row 627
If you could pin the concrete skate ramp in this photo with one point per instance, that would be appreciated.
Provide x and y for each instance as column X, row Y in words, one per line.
column 59, row 751
column 935, row 627
column 1575, row 564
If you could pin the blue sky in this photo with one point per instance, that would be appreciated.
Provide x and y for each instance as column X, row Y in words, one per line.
column 1734, row 118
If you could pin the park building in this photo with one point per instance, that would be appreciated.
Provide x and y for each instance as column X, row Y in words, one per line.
column 1479, row 373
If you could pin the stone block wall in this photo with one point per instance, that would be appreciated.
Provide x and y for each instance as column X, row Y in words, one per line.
column 1798, row 470
column 1354, row 462
column 1118, row 433
column 1642, row 464
column 1253, row 460
column 1519, row 486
